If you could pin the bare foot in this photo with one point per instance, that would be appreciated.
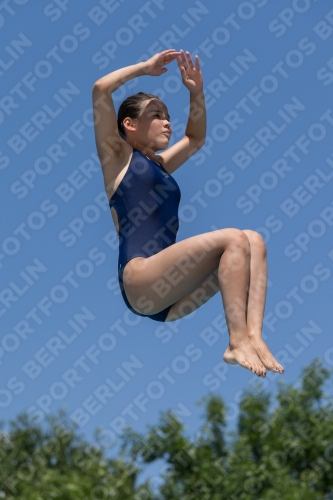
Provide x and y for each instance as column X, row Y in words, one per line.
column 265, row 355
column 246, row 356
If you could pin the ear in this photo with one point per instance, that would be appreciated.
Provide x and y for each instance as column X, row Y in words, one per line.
column 129, row 123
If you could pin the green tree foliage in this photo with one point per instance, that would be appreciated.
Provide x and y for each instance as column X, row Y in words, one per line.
column 281, row 453
column 56, row 463
column 281, row 449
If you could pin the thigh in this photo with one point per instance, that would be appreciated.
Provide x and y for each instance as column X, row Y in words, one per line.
column 193, row 300
column 154, row 283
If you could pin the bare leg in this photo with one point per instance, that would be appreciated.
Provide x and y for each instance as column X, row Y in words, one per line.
column 167, row 277
column 256, row 300
column 234, row 288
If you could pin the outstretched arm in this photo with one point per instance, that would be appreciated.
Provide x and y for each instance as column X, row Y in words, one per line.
column 195, row 132
column 110, row 145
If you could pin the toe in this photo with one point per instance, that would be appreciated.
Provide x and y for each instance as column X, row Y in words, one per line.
column 257, row 371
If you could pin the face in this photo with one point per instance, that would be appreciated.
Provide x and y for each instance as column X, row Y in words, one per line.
column 152, row 130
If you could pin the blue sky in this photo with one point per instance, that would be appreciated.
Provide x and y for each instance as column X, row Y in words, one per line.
column 267, row 165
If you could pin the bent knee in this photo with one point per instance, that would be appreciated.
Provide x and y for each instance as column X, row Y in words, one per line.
column 239, row 239
column 257, row 242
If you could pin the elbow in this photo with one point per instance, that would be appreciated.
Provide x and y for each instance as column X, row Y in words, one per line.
column 197, row 141
column 99, row 89
column 101, row 86
column 202, row 138
column 197, row 136
column 201, row 142
column 97, row 86
column 195, row 144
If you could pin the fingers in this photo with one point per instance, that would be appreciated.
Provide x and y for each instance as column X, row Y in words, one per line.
column 168, row 50
column 169, row 55
column 183, row 59
column 187, row 62
column 180, row 64
column 189, row 58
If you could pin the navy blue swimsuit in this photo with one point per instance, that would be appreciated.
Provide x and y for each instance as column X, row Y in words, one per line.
column 146, row 202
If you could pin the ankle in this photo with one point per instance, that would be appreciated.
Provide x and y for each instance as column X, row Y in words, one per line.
column 237, row 338
column 255, row 334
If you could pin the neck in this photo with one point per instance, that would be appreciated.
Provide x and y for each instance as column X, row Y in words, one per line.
column 149, row 152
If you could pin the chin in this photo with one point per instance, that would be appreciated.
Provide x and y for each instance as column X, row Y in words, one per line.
column 164, row 144
column 160, row 146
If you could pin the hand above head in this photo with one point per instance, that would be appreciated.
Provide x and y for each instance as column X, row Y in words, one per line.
column 191, row 76
column 154, row 65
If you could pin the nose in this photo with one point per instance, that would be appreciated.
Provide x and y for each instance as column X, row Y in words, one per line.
column 168, row 128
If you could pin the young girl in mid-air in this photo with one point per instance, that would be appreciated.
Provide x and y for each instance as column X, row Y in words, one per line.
column 160, row 278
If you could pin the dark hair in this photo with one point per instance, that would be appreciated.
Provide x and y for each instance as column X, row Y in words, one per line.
column 131, row 107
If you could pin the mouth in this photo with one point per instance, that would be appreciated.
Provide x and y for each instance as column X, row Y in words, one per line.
column 168, row 134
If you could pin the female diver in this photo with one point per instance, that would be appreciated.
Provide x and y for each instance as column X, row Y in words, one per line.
column 160, row 278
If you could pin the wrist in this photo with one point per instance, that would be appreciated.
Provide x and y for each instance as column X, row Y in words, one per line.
column 194, row 94
column 142, row 68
